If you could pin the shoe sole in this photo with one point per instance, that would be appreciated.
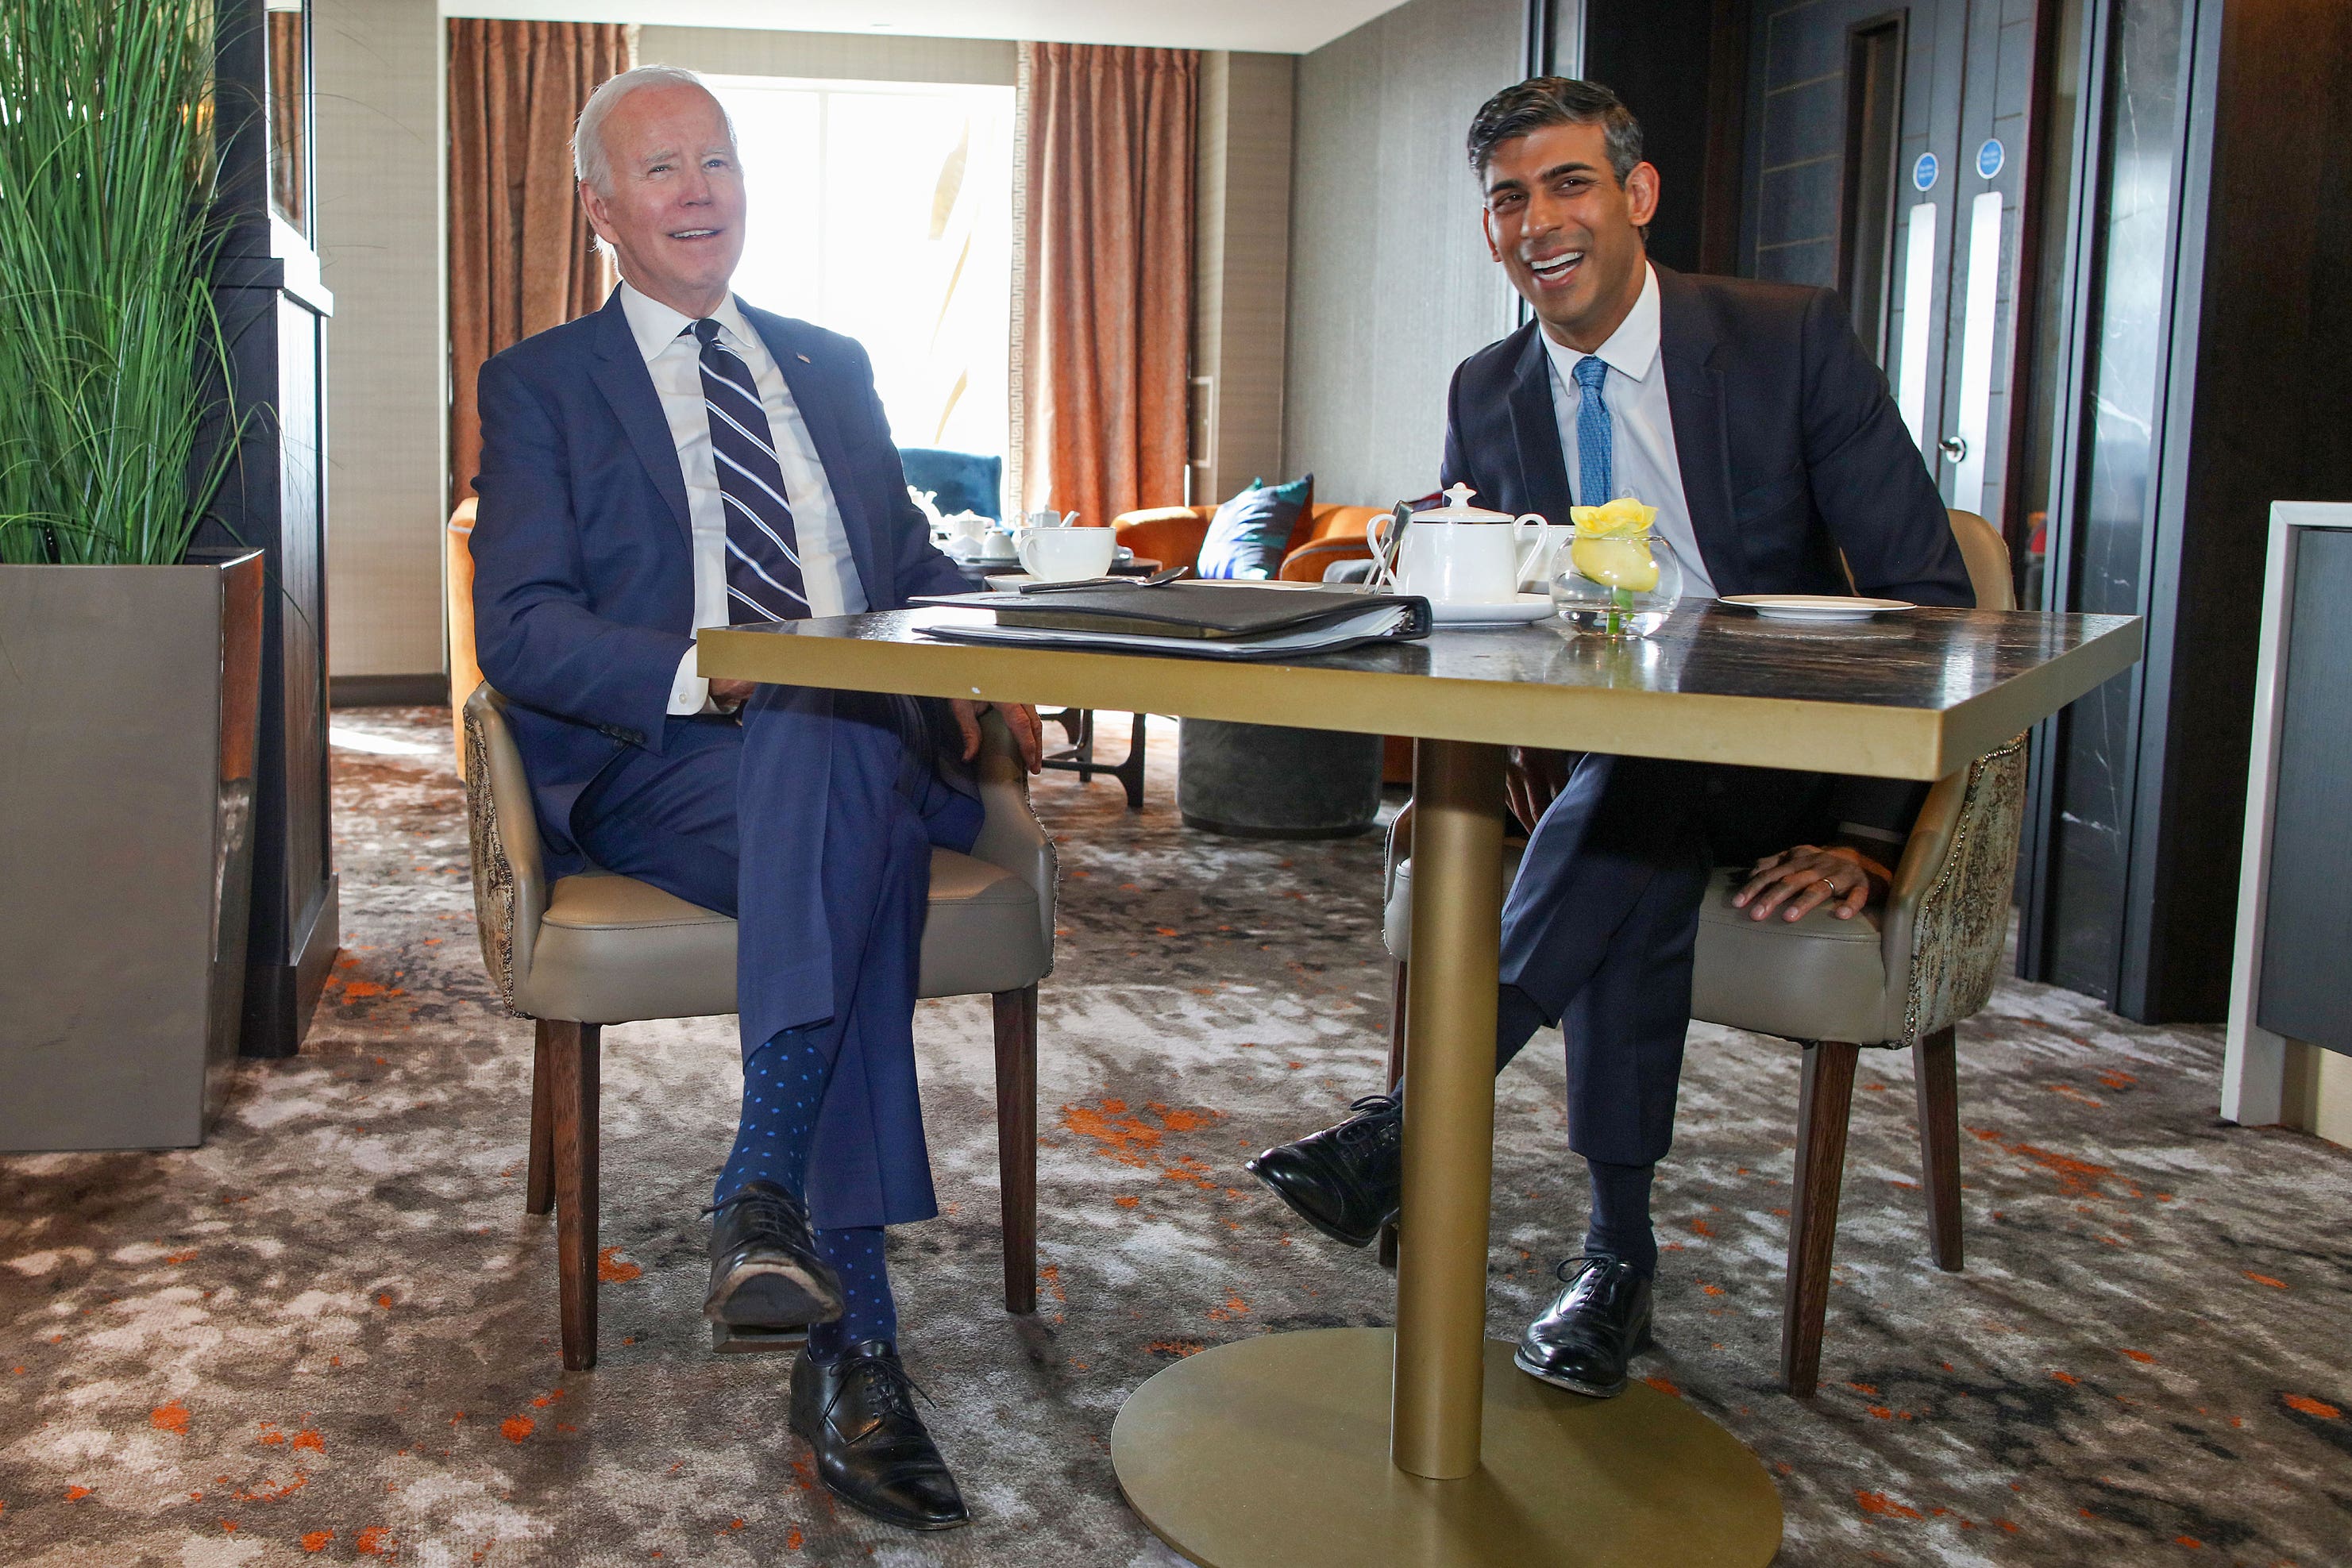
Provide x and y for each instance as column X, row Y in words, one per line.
column 760, row 1295
column 1344, row 1238
column 902, row 1522
column 1590, row 1391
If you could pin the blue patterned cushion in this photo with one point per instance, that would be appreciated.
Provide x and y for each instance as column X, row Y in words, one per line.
column 1250, row 532
column 959, row 481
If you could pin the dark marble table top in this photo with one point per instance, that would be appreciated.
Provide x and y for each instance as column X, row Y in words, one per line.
column 1913, row 695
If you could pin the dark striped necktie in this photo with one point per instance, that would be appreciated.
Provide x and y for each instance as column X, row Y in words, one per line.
column 764, row 563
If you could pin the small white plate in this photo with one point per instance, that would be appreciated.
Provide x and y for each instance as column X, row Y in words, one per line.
column 1517, row 611
column 1815, row 606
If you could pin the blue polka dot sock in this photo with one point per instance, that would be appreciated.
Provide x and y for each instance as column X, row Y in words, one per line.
column 783, row 1084
column 868, row 1312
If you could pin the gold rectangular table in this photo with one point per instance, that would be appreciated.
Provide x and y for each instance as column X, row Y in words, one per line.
column 1284, row 1449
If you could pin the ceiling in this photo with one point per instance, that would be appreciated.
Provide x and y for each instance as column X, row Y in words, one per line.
column 1273, row 26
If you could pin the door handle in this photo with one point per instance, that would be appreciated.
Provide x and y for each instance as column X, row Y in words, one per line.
column 1953, row 447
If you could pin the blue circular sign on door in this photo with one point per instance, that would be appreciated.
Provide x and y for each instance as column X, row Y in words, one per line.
column 1990, row 157
column 1923, row 172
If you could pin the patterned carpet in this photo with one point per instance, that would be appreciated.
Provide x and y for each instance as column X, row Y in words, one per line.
column 327, row 1336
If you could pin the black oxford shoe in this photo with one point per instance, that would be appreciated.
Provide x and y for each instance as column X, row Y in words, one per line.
column 764, row 1270
column 872, row 1452
column 1597, row 1324
column 1346, row 1181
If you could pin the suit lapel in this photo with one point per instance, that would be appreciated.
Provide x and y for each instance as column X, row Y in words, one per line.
column 1695, row 398
column 1535, row 433
column 621, row 375
column 813, row 389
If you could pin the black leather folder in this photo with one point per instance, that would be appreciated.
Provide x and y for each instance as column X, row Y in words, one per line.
column 1201, row 620
column 1217, row 611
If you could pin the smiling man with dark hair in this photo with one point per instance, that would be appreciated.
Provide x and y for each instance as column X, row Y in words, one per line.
column 1751, row 418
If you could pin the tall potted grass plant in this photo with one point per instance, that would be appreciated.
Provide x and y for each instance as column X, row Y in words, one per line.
column 129, row 674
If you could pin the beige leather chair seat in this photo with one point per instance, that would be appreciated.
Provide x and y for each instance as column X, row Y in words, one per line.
column 611, row 948
column 1773, row 976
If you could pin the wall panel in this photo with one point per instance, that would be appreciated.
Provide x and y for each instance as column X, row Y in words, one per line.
column 1390, row 284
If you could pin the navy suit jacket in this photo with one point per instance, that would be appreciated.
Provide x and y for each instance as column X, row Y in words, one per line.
column 1791, row 451
column 583, row 561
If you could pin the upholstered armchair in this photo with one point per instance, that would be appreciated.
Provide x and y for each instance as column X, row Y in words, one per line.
column 1172, row 536
column 597, row 948
column 1900, row 977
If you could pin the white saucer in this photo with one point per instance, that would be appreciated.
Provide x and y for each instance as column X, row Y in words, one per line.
column 1515, row 612
column 1815, row 606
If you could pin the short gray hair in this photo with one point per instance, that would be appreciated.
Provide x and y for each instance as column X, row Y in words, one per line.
column 591, row 161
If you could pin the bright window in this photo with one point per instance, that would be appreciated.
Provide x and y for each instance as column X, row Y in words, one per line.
column 884, row 210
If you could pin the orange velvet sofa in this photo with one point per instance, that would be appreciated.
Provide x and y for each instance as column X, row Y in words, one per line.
column 1172, row 536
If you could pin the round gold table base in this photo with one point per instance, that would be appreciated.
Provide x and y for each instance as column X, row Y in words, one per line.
column 1275, row 1451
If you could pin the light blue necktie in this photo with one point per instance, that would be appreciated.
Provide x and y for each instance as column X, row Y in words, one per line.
column 1596, row 485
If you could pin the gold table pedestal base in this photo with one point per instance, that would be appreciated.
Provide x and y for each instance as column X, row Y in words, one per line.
column 1275, row 1451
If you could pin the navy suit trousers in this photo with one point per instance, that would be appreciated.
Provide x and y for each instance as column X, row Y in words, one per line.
column 728, row 817
column 1601, row 921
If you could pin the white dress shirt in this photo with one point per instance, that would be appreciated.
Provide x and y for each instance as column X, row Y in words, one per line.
column 675, row 360
column 1642, row 457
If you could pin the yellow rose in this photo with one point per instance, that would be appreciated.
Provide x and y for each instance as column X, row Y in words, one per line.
column 1624, row 518
column 1614, row 562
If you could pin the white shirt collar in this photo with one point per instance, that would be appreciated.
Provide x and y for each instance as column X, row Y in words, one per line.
column 1632, row 350
column 656, row 326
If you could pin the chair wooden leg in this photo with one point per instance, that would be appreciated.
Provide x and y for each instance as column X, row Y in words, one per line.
column 1388, row 1242
column 574, row 1049
column 1935, row 1068
column 1823, row 1104
column 538, row 1186
column 1016, row 1142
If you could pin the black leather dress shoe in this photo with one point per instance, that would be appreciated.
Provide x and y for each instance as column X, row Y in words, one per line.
column 764, row 1270
column 1601, row 1321
column 872, row 1452
column 1346, row 1181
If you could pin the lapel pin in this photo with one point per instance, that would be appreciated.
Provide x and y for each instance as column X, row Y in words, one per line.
column 804, row 359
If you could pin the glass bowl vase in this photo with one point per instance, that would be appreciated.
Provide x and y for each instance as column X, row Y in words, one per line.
column 1623, row 586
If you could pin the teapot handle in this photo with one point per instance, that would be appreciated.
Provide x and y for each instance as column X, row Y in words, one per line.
column 1532, row 550
column 1385, row 537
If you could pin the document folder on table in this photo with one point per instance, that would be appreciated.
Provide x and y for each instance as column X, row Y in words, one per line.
column 1197, row 619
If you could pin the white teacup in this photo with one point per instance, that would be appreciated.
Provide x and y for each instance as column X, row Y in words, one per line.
column 1065, row 555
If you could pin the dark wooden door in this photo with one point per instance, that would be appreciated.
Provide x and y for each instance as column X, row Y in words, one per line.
column 1886, row 158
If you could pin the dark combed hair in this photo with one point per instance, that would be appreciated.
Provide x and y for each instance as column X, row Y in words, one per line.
column 1556, row 100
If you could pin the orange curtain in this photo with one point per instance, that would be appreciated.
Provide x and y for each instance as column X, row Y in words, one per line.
column 289, row 118
column 1106, row 304
column 522, row 256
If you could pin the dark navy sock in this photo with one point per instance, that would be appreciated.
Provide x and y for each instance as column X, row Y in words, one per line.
column 868, row 1312
column 1620, row 1216
column 783, row 1084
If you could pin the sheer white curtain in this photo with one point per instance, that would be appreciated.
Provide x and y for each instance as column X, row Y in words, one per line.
column 884, row 210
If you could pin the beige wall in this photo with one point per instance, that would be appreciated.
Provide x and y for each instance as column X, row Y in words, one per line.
column 1391, row 285
column 379, row 174
column 853, row 57
column 1242, row 272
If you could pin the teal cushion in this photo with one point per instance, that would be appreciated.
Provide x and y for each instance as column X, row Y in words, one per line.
column 1250, row 532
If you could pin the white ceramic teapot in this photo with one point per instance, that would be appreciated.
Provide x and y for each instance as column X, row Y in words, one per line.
column 1458, row 553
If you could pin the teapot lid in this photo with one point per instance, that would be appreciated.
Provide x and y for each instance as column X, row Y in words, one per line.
column 1459, row 509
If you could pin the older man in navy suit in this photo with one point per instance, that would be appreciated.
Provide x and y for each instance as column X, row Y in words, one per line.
column 680, row 460
column 1753, row 419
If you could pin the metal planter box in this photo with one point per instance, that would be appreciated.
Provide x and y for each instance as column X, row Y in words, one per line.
column 128, row 703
